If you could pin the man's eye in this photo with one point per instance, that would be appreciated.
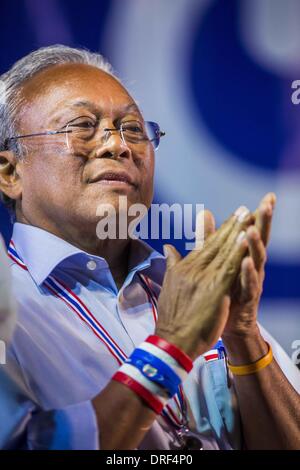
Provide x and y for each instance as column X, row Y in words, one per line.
column 82, row 128
column 84, row 124
column 133, row 127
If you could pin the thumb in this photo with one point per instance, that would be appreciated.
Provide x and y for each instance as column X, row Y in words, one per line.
column 172, row 255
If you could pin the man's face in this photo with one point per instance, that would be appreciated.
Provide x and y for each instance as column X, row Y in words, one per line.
column 63, row 186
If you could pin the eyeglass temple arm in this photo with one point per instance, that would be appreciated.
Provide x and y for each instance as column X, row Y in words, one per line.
column 160, row 134
column 16, row 137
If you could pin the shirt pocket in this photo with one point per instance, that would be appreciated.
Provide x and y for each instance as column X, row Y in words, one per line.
column 226, row 400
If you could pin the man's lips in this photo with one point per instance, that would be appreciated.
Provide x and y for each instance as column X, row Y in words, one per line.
column 110, row 177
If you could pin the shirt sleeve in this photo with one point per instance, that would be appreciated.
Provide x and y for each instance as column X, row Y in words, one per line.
column 24, row 425
column 71, row 428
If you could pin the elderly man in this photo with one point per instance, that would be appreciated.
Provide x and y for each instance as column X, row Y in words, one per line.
column 104, row 323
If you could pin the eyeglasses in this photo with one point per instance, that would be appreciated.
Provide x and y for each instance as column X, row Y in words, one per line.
column 81, row 134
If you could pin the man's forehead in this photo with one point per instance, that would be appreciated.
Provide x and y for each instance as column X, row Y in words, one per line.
column 75, row 86
column 62, row 75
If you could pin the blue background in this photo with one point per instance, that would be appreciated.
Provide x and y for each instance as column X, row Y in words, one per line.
column 236, row 94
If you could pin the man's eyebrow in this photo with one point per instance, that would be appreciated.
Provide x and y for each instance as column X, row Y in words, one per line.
column 94, row 108
column 83, row 104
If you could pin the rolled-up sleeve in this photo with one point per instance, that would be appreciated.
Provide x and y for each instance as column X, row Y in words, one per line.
column 71, row 428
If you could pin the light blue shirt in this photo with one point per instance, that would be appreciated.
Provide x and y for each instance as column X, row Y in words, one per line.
column 24, row 425
column 61, row 364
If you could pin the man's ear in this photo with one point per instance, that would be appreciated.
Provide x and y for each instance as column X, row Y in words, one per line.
column 10, row 182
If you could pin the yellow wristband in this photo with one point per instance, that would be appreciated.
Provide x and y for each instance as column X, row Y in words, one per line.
column 255, row 366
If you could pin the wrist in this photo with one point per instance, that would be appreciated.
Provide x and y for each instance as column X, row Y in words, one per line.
column 186, row 344
column 253, row 367
column 245, row 349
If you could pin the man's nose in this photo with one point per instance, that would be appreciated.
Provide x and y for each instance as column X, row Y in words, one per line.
column 113, row 145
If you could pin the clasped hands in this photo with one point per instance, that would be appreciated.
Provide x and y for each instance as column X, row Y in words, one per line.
column 216, row 291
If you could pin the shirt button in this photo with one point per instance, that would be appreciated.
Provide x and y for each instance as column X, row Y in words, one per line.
column 91, row 265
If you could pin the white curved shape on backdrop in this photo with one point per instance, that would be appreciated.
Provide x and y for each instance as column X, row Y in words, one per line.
column 269, row 30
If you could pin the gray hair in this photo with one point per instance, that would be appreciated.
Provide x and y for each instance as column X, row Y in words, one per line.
column 11, row 85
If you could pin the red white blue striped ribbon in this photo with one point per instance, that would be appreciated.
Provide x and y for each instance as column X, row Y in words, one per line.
column 150, row 294
column 60, row 290
column 211, row 355
column 171, row 416
column 63, row 292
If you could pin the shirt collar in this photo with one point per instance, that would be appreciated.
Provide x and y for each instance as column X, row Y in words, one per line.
column 42, row 252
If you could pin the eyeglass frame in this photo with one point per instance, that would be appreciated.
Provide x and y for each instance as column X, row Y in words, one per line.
column 16, row 137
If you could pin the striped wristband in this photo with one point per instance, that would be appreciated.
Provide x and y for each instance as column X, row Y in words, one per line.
column 153, row 395
column 153, row 372
column 183, row 359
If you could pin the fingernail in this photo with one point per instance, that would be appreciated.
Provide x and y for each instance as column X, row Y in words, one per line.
column 272, row 198
column 269, row 209
column 165, row 250
column 241, row 213
column 241, row 236
column 253, row 232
